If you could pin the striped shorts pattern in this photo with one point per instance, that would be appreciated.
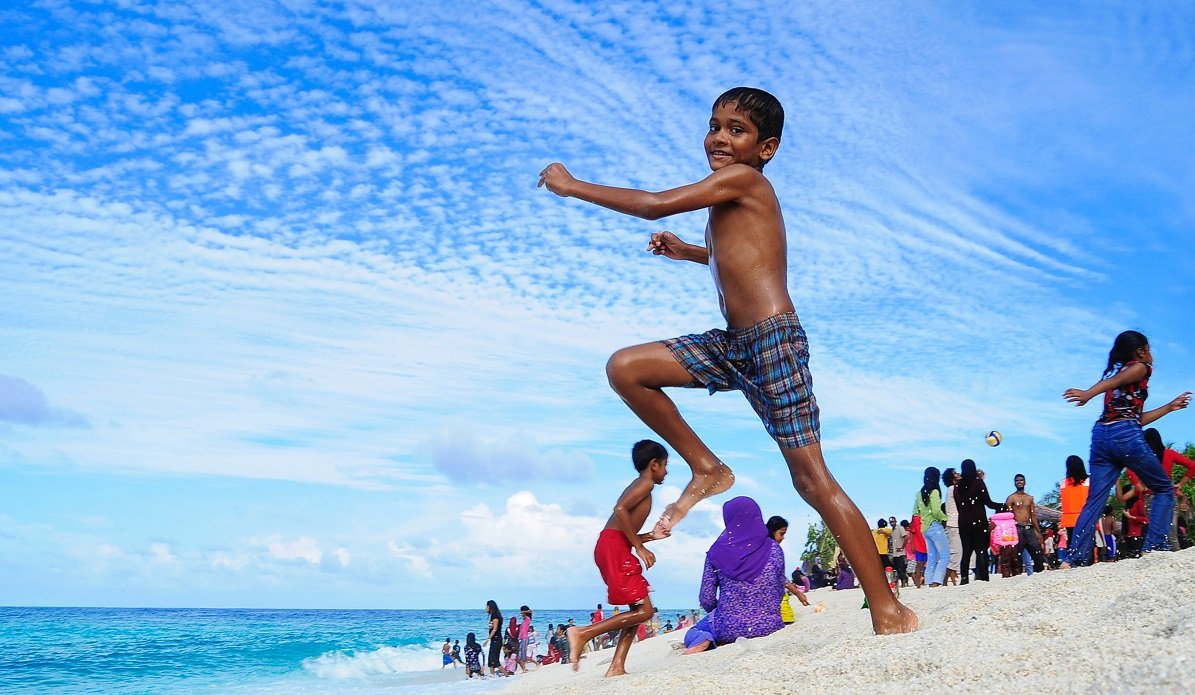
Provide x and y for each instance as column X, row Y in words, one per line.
column 769, row 363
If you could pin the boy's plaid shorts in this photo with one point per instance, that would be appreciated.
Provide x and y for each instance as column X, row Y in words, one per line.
column 769, row 363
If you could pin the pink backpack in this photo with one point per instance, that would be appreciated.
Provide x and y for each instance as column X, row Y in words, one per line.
column 1005, row 533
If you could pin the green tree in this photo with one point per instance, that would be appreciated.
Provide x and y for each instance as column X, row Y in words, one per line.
column 820, row 545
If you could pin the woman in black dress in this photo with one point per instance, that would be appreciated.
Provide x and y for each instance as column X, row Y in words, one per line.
column 971, row 498
column 494, row 636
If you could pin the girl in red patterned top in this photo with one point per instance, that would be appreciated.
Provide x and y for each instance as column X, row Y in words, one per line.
column 1117, row 442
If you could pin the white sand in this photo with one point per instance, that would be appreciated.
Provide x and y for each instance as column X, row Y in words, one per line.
column 1126, row 627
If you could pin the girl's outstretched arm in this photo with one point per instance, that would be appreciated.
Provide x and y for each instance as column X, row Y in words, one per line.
column 1133, row 374
column 1176, row 404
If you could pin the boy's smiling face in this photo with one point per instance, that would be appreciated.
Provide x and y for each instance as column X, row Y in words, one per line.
column 733, row 138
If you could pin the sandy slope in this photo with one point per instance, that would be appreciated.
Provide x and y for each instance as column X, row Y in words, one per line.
column 1123, row 627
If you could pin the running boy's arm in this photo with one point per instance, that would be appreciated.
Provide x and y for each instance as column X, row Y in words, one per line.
column 1176, row 404
column 631, row 497
column 723, row 186
column 1132, row 374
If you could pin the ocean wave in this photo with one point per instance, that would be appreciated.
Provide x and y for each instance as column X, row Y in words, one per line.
column 347, row 665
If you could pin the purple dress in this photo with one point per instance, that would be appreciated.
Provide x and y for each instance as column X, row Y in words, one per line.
column 743, row 608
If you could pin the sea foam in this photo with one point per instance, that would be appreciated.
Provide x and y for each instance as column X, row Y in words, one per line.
column 345, row 665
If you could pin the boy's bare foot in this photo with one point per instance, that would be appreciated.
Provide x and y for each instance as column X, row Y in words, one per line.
column 575, row 644
column 898, row 621
column 615, row 671
column 717, row 480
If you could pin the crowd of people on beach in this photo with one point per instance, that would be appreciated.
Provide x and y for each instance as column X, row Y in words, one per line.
column 507, row 650
column 951, row 540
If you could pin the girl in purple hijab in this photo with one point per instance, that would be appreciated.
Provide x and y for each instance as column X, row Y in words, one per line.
column 743, row 580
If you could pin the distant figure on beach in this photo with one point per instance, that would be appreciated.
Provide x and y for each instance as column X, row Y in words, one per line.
column 777, row 530
column 918, row 548
column 1169, row 458
column 971, row 496
column 524, row 636
column 742, row 583
column 447, row 654
column 472, row 657
column 1118, row 442
column 883, row 538
column 927, row 504
column 621, row 572
column 950, row 478
column 494, row 639
column 844, row 576
column 1072, row 495
column 1020, row 503
column 456, row 652
column 896, row 551
column 763, row 352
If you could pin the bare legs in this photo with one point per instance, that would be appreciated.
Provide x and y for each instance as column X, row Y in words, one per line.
column 818, row 487
column 638, row 375
column 627, row 622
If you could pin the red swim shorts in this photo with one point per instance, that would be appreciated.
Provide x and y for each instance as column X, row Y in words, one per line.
column 625, row 585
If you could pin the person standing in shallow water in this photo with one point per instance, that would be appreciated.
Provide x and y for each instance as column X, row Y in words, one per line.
column 494, row 637
column 763, row 352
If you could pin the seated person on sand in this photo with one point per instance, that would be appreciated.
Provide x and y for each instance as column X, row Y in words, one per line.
column 844, row 575
column 743, row 581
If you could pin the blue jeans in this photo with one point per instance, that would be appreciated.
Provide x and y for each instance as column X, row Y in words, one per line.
column 1113, row 447
column 938, row 547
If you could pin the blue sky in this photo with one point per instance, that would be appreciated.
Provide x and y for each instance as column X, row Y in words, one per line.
column 285, row 322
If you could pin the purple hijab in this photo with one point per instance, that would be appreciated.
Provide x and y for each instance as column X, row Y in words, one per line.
column 743, row 548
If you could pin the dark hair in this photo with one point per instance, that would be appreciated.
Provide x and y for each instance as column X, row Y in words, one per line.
column 930, row 482
column 491, row 607
column 470, row 639
column 1154, row 439
column 797, row 574
column 1107, row 510
column 1075, row 472
column 1124, row 349
column 970, row 472
column 1018, row 475
column 948, row 476
column 762, row 108
column 645, row 451
column 775, row 524
column 524, row 608
column 905, row 522
column 882, row 523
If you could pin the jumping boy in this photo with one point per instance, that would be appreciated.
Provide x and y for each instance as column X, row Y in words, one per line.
column 620, row 570
column 763, row 352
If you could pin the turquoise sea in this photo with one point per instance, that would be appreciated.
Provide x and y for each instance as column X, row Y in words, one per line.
column 197, row 650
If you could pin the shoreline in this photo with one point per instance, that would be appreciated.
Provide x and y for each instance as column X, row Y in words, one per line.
column 1126, row 627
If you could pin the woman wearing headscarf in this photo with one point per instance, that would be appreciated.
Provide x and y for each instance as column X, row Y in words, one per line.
column 972, row 499
column 743, row 581
column 927, row 504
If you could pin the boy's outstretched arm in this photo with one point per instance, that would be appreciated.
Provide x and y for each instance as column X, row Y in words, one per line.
column 723, row 186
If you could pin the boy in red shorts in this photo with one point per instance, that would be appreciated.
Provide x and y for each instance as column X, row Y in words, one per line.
column 621, row 572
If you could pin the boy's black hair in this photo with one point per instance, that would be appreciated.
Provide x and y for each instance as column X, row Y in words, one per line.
column 762, row 108
column 644, row 451
column 776, row 523
column 882, row 523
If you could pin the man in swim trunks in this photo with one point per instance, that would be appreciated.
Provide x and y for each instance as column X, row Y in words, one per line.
column 620, row 569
